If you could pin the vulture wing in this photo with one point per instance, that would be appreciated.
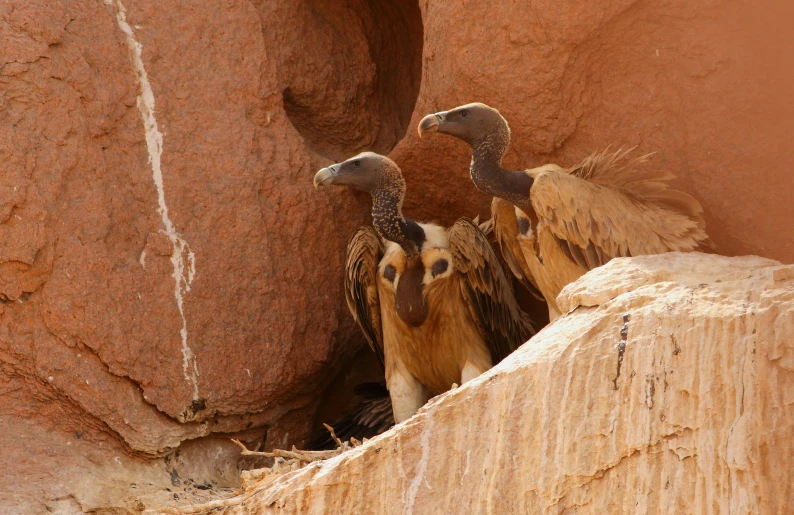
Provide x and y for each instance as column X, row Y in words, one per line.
column 372, row 417
column 364, row 252
column 607, row 207
column 483, row 282
column 505, row 227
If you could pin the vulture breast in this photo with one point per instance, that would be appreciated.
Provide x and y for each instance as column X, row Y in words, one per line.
column 435, row 352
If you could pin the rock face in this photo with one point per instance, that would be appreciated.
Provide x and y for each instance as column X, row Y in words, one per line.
column 685, row 79
column 161, row 246
column 668, row 388
column 167, row 270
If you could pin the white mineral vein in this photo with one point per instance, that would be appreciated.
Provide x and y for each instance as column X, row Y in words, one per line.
column 182, row 258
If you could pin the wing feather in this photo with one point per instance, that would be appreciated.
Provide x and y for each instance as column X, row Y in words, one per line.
column 501, row 322
column 364, row 252
column 619, row 209
column 371, row 417
column 504, row 224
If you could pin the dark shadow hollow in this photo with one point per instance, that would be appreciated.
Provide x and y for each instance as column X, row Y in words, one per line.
column 353, row 79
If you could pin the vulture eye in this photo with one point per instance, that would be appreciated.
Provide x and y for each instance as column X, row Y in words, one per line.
column 389, row 272
column 439, row 267
column 464, row 113
column 356, row 163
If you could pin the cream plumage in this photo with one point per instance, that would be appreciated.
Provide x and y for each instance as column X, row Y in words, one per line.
column 569, row 221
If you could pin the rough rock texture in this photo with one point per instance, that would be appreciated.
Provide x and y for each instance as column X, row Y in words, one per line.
column 668, row 388
column 46, row 470
column 707, row 84
column 158, row 263
column 167, row 270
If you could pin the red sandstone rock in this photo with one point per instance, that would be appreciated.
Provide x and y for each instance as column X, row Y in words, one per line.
column 707, row 85
column 86, row 263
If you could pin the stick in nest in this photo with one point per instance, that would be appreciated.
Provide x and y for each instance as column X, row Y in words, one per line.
column 245, row 452
column 295, row 454
column 303, row 456
column 333, row 435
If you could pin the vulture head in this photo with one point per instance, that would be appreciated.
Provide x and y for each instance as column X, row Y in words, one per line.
column 367, row 172
column 382, row 179
column 476, row 124
column 487, row 133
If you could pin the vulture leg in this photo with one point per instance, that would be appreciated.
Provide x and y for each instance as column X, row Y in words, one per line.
column 470, row 371
column 407, row 395
column 553, row 313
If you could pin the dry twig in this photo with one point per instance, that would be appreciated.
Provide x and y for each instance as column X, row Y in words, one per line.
column 303, row 456
column 295, row 459
column 245, row 452
column 333, row 435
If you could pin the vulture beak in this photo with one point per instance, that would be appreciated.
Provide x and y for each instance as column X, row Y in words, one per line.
column 325, row 175
column 431, row 122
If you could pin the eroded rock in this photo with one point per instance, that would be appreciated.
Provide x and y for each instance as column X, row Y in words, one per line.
column 692, row 414
column 158, row 262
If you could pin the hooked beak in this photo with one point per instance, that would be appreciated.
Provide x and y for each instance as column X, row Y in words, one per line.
column 431, row 122
column 325, row 175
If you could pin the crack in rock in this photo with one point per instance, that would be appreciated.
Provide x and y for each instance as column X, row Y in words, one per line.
column 182, row 258
column 651, row 390
column 624, row 333
column 630, row 453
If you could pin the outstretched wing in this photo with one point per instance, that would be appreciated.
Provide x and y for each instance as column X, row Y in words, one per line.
column 608, row 206
column 505, row 227
column 483, row 282
column 364, row 251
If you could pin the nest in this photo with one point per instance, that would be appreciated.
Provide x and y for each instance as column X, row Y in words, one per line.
column 254, row 481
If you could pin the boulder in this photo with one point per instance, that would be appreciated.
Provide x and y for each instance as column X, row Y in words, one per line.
column 667, row 388
column 166, row 268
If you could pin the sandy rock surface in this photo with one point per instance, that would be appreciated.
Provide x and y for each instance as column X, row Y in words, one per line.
column 667, row 388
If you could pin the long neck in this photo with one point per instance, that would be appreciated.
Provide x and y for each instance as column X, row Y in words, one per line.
column 390, row 223
column 488, row 175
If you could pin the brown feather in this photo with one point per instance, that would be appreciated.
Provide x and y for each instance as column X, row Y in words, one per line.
column 617, row 208
column 504, row 224
column 364, row 252
column 606, row 206
column 502, row 324
column 472, row 315
column 435, row 352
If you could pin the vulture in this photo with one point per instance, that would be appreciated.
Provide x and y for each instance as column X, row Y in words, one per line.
column 434, row 304
column 555, row 224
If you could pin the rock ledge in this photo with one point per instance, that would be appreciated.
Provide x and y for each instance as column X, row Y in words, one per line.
column 666, row 389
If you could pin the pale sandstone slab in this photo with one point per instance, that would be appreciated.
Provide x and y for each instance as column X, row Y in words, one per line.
column 693, row 415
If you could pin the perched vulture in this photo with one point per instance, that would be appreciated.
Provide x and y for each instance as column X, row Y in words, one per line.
column 568, row 221
column 434, row 304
